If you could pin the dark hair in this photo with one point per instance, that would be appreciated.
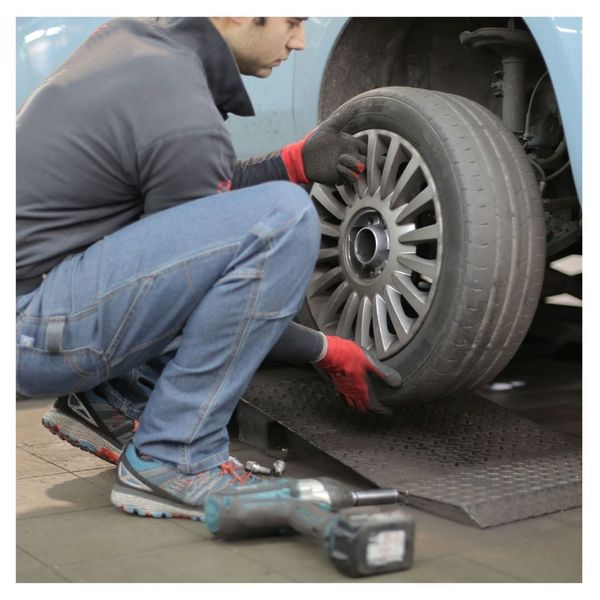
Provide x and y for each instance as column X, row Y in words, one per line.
column 260, row 21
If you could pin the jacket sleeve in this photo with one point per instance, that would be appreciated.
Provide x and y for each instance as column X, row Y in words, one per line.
column 287, row 164
column 261, row 169
column 185, row 166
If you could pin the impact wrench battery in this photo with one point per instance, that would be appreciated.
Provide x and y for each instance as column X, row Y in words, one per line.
column 358, row 541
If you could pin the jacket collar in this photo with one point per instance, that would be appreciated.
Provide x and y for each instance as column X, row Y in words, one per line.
column 222, row 73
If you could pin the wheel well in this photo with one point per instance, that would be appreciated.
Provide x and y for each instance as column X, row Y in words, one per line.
column 422, row 52
column 426, row 52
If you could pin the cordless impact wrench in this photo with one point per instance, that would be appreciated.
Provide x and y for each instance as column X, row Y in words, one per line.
column 358, row 541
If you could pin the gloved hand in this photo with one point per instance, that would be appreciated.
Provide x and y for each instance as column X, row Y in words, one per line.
column 327, row 154
column 349, row 366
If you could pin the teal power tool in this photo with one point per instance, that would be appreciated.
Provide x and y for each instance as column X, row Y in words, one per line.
column 358, row 541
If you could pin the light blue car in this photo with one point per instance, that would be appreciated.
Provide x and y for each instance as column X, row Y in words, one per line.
column 435, row 259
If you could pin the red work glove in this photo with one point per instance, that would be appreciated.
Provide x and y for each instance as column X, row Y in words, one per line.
column 349, row 366
column 327, row 155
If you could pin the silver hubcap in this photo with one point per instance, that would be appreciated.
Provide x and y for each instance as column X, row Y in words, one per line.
column 381, row 248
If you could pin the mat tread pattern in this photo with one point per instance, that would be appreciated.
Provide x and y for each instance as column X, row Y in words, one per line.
column 467, row 459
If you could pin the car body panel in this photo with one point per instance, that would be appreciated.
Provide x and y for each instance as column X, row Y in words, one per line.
column 559, row 40
column 44, row 43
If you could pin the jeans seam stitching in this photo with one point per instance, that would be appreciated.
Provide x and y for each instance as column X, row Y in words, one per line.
column 24, row 317
column 168, row 334
column 240, row 334
column 131, row 312
column 164, row 270
column 294, row 220
column 73, row 366
column 174, row 330
column 190, row 283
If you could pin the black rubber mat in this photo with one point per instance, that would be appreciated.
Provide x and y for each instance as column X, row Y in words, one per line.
column 469, row 459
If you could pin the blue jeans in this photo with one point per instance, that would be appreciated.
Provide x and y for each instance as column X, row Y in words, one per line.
column 224, row 275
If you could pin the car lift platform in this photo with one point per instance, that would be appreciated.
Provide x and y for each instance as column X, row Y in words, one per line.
column 469, row 459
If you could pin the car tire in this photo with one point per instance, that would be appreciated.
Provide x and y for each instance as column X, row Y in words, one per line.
column 440, row 275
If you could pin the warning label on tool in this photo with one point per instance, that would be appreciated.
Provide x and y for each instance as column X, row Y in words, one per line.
column 386, row 547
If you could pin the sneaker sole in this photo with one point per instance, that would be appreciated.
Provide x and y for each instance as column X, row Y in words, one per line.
column 138, row 503
column 80, row 436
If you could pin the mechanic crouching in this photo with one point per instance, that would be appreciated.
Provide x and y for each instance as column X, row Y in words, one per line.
column 154, row 272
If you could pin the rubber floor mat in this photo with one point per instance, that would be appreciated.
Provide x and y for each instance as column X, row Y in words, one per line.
column 467, row 459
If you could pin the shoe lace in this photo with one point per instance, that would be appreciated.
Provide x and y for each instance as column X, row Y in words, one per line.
column 228, row 468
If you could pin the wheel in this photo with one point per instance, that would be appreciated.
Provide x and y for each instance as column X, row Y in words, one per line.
column 434, row 258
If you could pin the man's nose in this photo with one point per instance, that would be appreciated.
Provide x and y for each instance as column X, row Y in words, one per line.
column 297, row 40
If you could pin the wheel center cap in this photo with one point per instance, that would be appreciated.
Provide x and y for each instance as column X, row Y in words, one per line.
column 371, row 246
column 367, row 244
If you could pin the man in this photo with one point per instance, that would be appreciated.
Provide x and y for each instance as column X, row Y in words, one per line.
column 154, row 273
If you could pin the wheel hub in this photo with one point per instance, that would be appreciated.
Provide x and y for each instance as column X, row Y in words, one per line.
column 367, row 244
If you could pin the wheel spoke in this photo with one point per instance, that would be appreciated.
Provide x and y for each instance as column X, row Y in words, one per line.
column 416, row 205
column 397, row 196
column 390, row 168
column 325, row 281
column 383, row 338
column 328, row 253
column 415, row 297
column 423, row 266
column 346, row 193
column 330, row 230
column 400, row 320
column 326, row 199
column 430, row 233
column 348, row 316
column 374, row 153
column 361, row 185
column 334, row 302
column 363, row 323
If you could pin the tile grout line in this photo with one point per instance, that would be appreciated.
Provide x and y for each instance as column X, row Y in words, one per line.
column 490, row 568
column 63, row 512
column 154, row 550
column 63, row 469
column 43, row 563
column 263, row 565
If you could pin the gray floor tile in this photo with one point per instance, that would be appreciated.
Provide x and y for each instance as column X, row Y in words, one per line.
column 204, row 561
column 52, row 494
column 103, row 477
column 448, row 569
column 66, row 456
column 436, row 536
column 29, row 429
column 305, row 561
column 30, row 570
column 29, row 465
column 96, row 534
column 196, row 527
column 573, row 517
column 550, row 557
column 298, row 557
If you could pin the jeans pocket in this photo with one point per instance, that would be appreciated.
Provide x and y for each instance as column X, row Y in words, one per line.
column 42, row 374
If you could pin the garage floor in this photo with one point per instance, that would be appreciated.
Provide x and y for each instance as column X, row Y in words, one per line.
column 67, row 529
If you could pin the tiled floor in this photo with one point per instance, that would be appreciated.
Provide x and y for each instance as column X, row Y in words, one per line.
column 67, row 531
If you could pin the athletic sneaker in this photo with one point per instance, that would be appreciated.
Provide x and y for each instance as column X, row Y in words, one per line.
column 90, row 423
column 151, row 488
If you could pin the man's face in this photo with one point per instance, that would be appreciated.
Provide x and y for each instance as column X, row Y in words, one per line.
column 259, row 48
